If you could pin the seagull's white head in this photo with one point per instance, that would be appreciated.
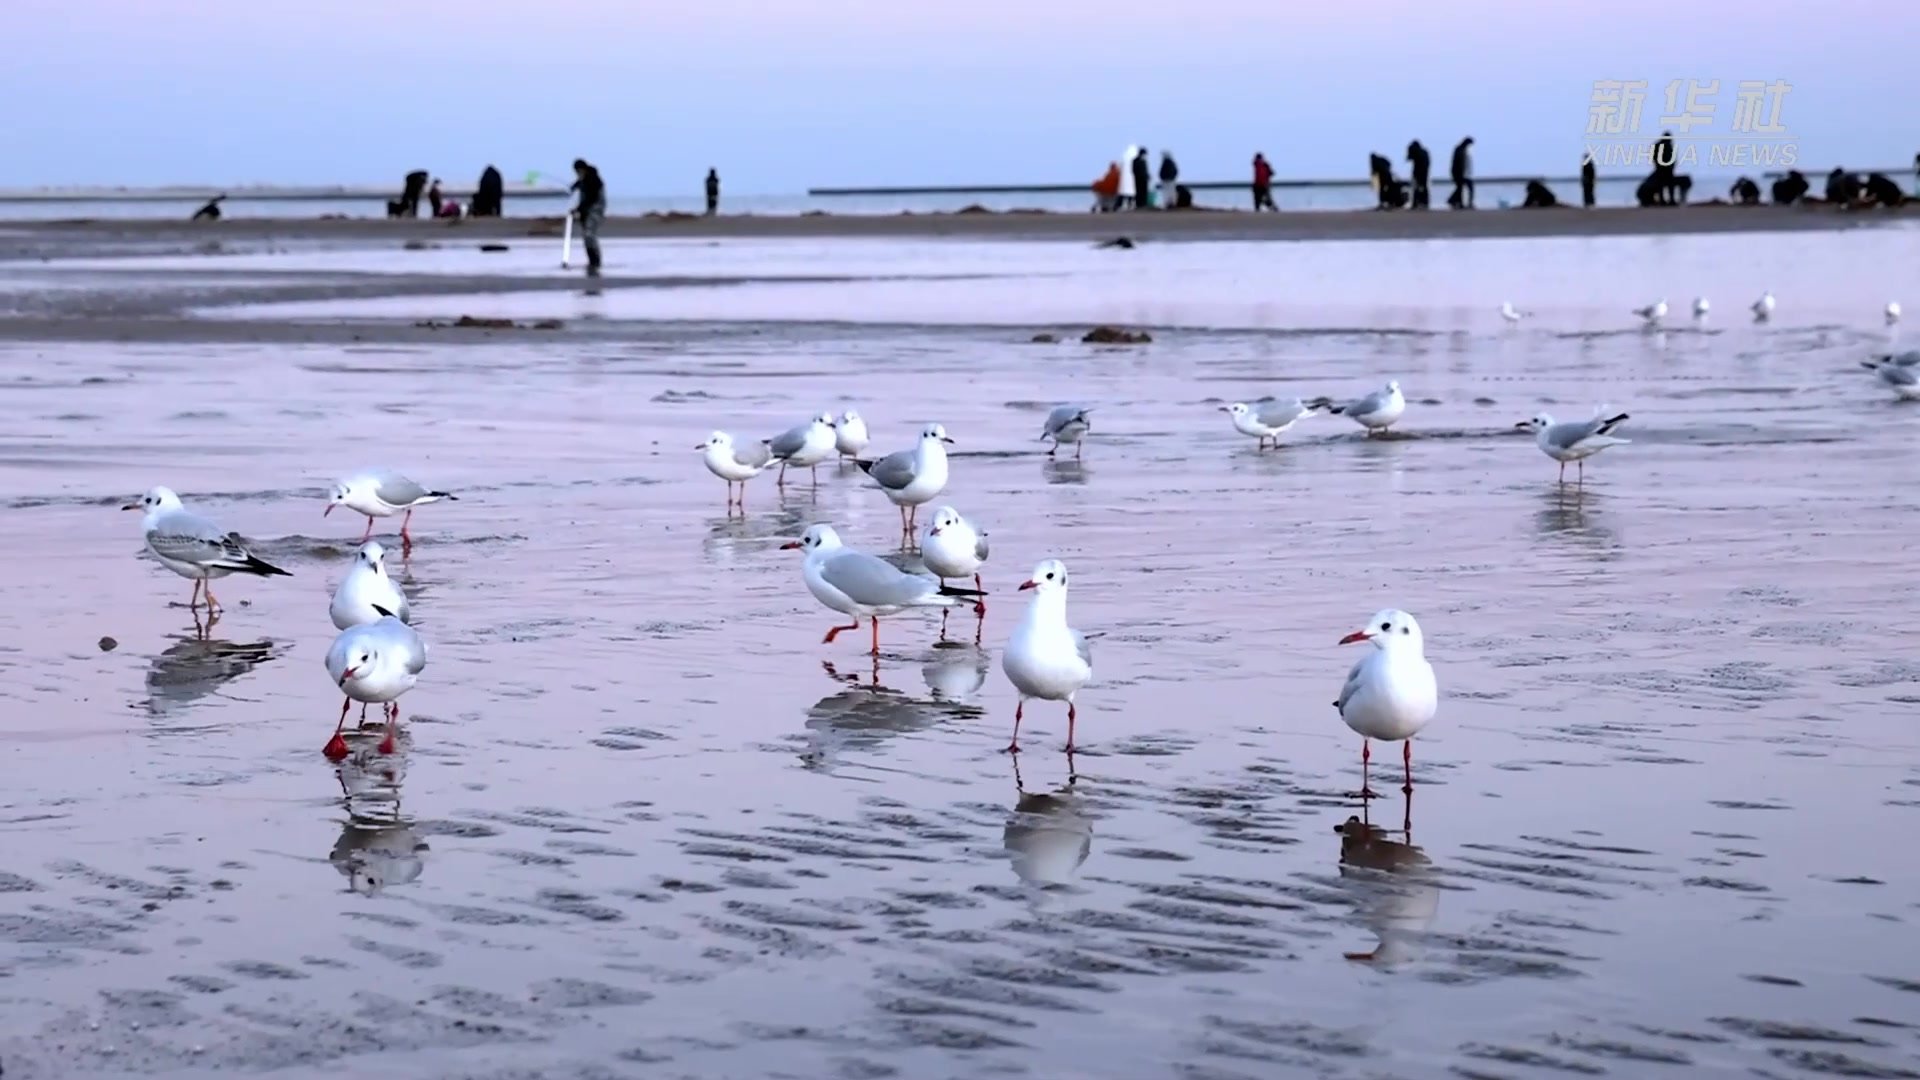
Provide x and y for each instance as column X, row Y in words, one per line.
column 1540, row 422
column 944, row 518
column 160, row 498
column 719, row 440
column 824, row 418
column 849, row 417
column 372, row 556
column 1048, row 578
column 1238, row 409
column 1391, row 629
column 1393, row 386
column 934, row 432
column 344, row 490
column 816, row 538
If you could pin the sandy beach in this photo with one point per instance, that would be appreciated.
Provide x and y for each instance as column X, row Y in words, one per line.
column 644, row 823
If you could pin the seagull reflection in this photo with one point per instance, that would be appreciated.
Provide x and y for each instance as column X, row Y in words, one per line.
column 955, row 675
column 1574, row 515
column 1393, row 886
column 729, row 537
column 863, row 716
column 378, row 846
column 1064, row 471
column 1048, row 835
column 194, row 667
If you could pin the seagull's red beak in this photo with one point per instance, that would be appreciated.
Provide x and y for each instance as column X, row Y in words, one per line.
column 329, row 509
column 790, row 545
column 131, row 506
column 1029, row 584
column 935, row 531
column 1357, row 635
column 348, row 674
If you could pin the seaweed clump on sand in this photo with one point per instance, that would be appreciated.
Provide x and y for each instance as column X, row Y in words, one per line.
column 477, row 322
column 1109, row 335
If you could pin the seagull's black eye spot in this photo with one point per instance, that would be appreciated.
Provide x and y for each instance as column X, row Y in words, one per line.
column 1386, row 626
column 1406, row 630
column 1049, row 575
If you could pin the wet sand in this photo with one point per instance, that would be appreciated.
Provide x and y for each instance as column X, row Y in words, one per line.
column 24, row 239
column 645, row 824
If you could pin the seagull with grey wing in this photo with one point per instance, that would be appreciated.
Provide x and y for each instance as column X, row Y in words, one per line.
column 1066, row 425
column 383, row 492
column 193, row 547
column 1376, row 412
column 1899, row 373
column 1574, row 440
column 913, row 477
column 1268, row 417
column 805, row 446
column 735, row 464
column 865, row 586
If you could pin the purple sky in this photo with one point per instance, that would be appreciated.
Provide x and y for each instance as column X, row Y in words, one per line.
column 781, row 96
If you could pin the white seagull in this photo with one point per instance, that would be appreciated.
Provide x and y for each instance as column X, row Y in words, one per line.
column 1511, row 313
column 1575, row 440
column 804, row 447
column 1893, row 312
column 1375, row 412
column 1066, row 425
column 367, row 594
column 1652, row 313
column 1268, row 417
column 865, row 586
column 1902, row 377
column 850, row 434
column 1045, row 658
column 912, row 477
column 733, row 464
column 1700, row 307
column 382, row 492
column 193, row 547
column 1763, row 308
column 1390, row 694
column 376, row 661
column 953, row 548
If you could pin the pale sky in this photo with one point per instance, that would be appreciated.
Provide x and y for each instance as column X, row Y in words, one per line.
column 781, row 96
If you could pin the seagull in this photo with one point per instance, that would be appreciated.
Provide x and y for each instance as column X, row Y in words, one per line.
column 1575, row 440
column 1910, row 358
column 1266, row 418
column 367, row 591
column 1510, row 313
column 953, row 548
column 1045, row 658
column 1066, row 425
column 850, row 435
column 376, row 661
column 1901, row 373
column 912, row 477
column 193, row 547
column 1893, row 312
column 1390, row 694
column 1375, row 412
column 734, row 465
column 381, row 492
column 1653, row 313
column 1763, row 307
column 1699, row 307
column 865, row 586
column 805, row 446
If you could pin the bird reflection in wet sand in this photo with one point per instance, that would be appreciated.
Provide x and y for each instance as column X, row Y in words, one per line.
column 378, row 847
column 1569, row 513
column 194, row 667
column 863, row 715
column 1048, row 835
column 1064, row 471
column 956, row 675
column 1393, row 885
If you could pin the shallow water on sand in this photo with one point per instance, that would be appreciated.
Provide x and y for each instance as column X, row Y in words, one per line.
column 644, row 823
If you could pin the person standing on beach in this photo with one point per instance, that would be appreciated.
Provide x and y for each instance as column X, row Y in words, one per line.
column 1587, row 179
column 591, row 210
column 1422, row 163
column 1663, row 166
column 1169, row 180
column 1462, row 197
column 1142, row 181
column 713, row 192
column 1262, row 184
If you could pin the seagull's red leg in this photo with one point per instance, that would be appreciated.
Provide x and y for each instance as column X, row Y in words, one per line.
column 782, row 481
column 365, row 536
column 211, row 602
column 1014, row 746
column 836, row 631
column 1366, row 755
column 336, row 747
column 393, row 726
column 1406, row 758
column 406, row 538
column 979, row 605
column 876, row 636
column 193, row 602
column 1071, row 714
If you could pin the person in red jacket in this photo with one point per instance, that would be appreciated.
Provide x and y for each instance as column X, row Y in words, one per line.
column 1262, row 184
column 1106, row 190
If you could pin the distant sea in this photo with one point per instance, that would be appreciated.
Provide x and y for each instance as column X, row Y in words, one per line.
column 361, row 202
